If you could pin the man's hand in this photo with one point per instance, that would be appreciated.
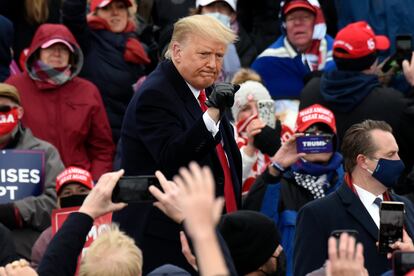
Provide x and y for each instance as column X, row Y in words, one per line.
column 99, row 201
column 168, row 200
column 254, row 128
column 200, row 207
column 222, row 96
column 186, row 250
column 408, row 69
column 345, row 259
column 287, row 154
column 405, row 245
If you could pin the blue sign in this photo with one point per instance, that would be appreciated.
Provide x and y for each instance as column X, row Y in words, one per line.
column 22, row 174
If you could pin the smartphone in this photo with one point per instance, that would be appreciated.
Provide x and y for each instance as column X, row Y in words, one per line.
column 391, row 224
column 402, row 262
column 135, row 189
column 351, row 232
column 404, row 48
column 314, row 143
column 267, row 112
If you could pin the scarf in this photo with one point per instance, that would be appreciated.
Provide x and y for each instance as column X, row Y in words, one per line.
column 315, row 56
column 314, row 177
column 134, row 52
column 55, row 76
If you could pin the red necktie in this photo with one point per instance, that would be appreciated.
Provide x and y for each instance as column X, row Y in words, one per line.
column 229, row 196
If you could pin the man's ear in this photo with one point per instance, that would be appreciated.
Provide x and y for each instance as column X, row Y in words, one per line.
column 361, row 161
column 176, row 51
column 20, row 112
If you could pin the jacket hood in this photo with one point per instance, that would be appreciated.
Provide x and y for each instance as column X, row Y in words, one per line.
column 6, row 41
column 344, row 90
column 47, row 32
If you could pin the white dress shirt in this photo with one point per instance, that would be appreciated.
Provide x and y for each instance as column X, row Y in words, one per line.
column 367, row 199
column 211, row 125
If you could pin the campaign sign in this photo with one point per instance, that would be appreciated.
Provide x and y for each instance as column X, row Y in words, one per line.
column 314, row 143
column 21, row 174
column 100, row 224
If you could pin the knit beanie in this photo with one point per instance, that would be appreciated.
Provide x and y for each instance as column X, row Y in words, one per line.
column 252, row 239
column 249, row 91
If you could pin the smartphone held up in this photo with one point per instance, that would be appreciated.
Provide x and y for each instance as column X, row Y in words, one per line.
column 133, row 189
column 391, row 225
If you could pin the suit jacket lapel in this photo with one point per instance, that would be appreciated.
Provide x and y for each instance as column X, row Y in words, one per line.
column 182, row 90
column 354, row 206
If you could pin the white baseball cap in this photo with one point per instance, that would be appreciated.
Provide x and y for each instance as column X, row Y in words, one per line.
column 203, row 3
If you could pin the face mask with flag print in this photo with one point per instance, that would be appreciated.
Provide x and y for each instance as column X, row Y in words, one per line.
column 8, row 120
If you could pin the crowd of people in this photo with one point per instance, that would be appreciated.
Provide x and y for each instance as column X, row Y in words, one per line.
column 275, row 130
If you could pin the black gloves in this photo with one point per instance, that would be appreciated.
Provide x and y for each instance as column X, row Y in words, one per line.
column 222, row 96
column 268, row 140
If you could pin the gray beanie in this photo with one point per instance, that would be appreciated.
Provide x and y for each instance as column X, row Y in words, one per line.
column 249, row 90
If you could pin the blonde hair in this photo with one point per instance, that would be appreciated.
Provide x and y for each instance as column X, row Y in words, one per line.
column 37, row 11
column 112, row 253
column 204, row 26
column 245, row 74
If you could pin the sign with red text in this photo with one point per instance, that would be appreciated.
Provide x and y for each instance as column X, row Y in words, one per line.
column 99, row 226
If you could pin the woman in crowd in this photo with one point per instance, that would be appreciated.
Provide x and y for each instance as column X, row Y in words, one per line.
column 61, row 108
column 114, row 57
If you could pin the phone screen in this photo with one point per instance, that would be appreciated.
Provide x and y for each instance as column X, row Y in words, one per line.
column 404, row 48
column 314, row 143
column 134, row 189
column 402, row 262
column 391, row 224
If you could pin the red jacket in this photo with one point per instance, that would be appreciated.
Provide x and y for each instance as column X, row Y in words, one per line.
column 71, row 116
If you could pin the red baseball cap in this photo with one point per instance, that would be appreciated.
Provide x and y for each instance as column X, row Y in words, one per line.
column 358, row 40
column 315, row 114
column 298, row 4
column 74, row 174
column 95, row 4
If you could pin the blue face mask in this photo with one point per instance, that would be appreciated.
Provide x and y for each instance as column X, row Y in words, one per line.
column 388, row 171
column 224, row 19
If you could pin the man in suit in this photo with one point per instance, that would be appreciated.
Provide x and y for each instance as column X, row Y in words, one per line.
column 169, row 123
column 373, row 167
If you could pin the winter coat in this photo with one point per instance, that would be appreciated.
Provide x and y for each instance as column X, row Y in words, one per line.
column 283, row 70
column 104, row 63
column 35, row 212
column 70, row 116
column 281, row 198
column 386, row 17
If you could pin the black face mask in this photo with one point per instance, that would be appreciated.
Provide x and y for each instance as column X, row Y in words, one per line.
column 72, row 201
column 268, row 140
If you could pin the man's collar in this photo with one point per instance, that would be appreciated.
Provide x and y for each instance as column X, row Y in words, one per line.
column 194, row 90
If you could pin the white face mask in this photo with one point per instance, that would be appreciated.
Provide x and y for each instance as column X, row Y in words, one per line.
column 224, row 19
